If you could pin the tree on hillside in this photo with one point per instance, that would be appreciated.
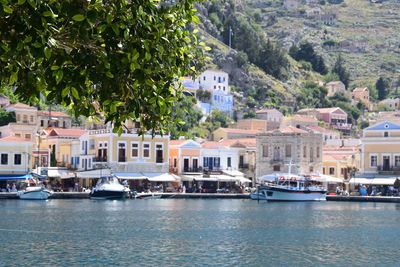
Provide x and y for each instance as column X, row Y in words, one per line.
column 124, row 55
column 218, row 119
column 341, row 71
column 313, row 96
column 6, row 117
column 185, row 111
column 382, row 86
column 339, row 97
column 307, row 53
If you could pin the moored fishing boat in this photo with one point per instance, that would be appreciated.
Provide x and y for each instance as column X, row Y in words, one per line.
column 288, row 187
column 35, row 193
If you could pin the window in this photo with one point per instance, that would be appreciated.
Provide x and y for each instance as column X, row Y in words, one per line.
column 175, row 162
column 223, row 88
column 288, row 151
column 265, row 150
column 4, row 159
column 331, row 171
column 25, row 118
column 17, row 159
column 204, row 78
column 159, row 153
column 17, row 135
column 229, row 163
column 277, row 153
column 317, row 152
column 311, row 154
column 215, row 78
column 205, row 161
column 374, row 161
column 27, row 136
column 311, row 169
column 277, row 168
column 134, row 150
column 215, row 87
column 41, row 123
column 146, row 150
column 91, row 144
column 31, row 118
column 305, row 152
column 64, row 124
column 385, row 134
column 342, row 171
column 18, row 117
column 323, row 170
column 397, row 161
column 224, row 79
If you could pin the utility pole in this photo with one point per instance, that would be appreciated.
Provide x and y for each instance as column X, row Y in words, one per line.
column 230, row 37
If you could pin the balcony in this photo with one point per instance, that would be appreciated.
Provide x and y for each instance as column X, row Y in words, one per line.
column 276, row 160
column 388, row 169
column 341, row 126
column 100, row 159
column 187, row 169
column 244, row 166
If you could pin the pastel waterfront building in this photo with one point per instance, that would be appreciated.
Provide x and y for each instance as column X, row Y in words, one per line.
column 229, row 133
column 185, row 157
column 380, row 149
column 126, row 153
column 361, row 95
column 276, row 149
column 25, row 126
column 57, row 119
column 327, row 134
column 15, row 158
column 341, row 161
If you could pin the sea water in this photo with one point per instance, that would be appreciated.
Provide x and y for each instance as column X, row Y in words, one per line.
column 198, row 232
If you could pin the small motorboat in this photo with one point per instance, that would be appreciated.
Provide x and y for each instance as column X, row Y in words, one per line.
column 109, row 187
column 35, row 193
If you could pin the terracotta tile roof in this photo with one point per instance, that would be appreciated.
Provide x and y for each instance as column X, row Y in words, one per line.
column 240, row 131
column 321, row 129
column 334, row 83
column 306, row 109
column 303, row 118
column 334, row 157
column 327, row 110
column 20, row 105
column 71, row 132
column 210, row 145
column 177, row 142
column 360, row 90
column 343, row 149
column 248, row 142
column 15, row 139
column 291, row 129
column 53, row 113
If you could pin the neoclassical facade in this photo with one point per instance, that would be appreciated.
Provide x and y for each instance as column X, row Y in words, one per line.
column 276, row 149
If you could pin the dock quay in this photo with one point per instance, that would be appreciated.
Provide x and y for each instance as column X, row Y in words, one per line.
column 364, row 199
column 194, row 195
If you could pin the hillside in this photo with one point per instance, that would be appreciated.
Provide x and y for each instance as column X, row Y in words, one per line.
column 367, row 34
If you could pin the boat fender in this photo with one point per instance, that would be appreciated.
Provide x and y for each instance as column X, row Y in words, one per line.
column 281, row 178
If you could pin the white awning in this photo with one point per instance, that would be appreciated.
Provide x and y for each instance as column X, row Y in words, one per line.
column 374, row 181
column 94, row 173
column 131, row 175
column 245, row 180
column 234, row 173
column 225, row 178
column 160, row 177
column 327, row 179
column 63, row 174
column 205, row 179
column 190, row 178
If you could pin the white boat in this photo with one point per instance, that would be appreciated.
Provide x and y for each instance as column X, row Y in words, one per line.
column 109, row 187
column 35, row 193
column 288, row 187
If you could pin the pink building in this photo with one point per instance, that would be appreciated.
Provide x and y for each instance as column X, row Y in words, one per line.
column 335, row 117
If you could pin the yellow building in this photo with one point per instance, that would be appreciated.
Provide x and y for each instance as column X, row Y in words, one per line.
column 26, row 122
column 341, row 161
column 15, row 157
column 380, row 149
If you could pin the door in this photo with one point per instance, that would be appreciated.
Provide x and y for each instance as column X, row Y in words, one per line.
column 185, row 165
column 195, row 165
column 386, row 163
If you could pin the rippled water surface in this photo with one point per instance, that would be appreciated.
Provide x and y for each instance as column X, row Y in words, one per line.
column 198, row 233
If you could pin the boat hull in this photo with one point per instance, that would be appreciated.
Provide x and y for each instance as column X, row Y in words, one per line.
column 34, row 195
column 280, row 194
column 104, row 194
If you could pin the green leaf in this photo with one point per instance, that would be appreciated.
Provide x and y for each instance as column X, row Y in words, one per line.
column 109, row 74
column 78, row 17
column 32, row 3
column 21, row 2
column 13, row 78
column 54, row 67
column 59, row 75
column 75, row 92
column 48, row 14
column 65, row 91
column 7, row 9
column 47, row 52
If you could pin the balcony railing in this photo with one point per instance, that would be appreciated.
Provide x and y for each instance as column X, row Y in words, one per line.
column 244, row 166
column 187, row 169
column 276, row 160
column 100, row 159
column 341, row 126
column 388, row 169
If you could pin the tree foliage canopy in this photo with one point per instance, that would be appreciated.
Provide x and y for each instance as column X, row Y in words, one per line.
column 341, row 71
column 382, row 86
column 306, row 52
column 124, row 55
